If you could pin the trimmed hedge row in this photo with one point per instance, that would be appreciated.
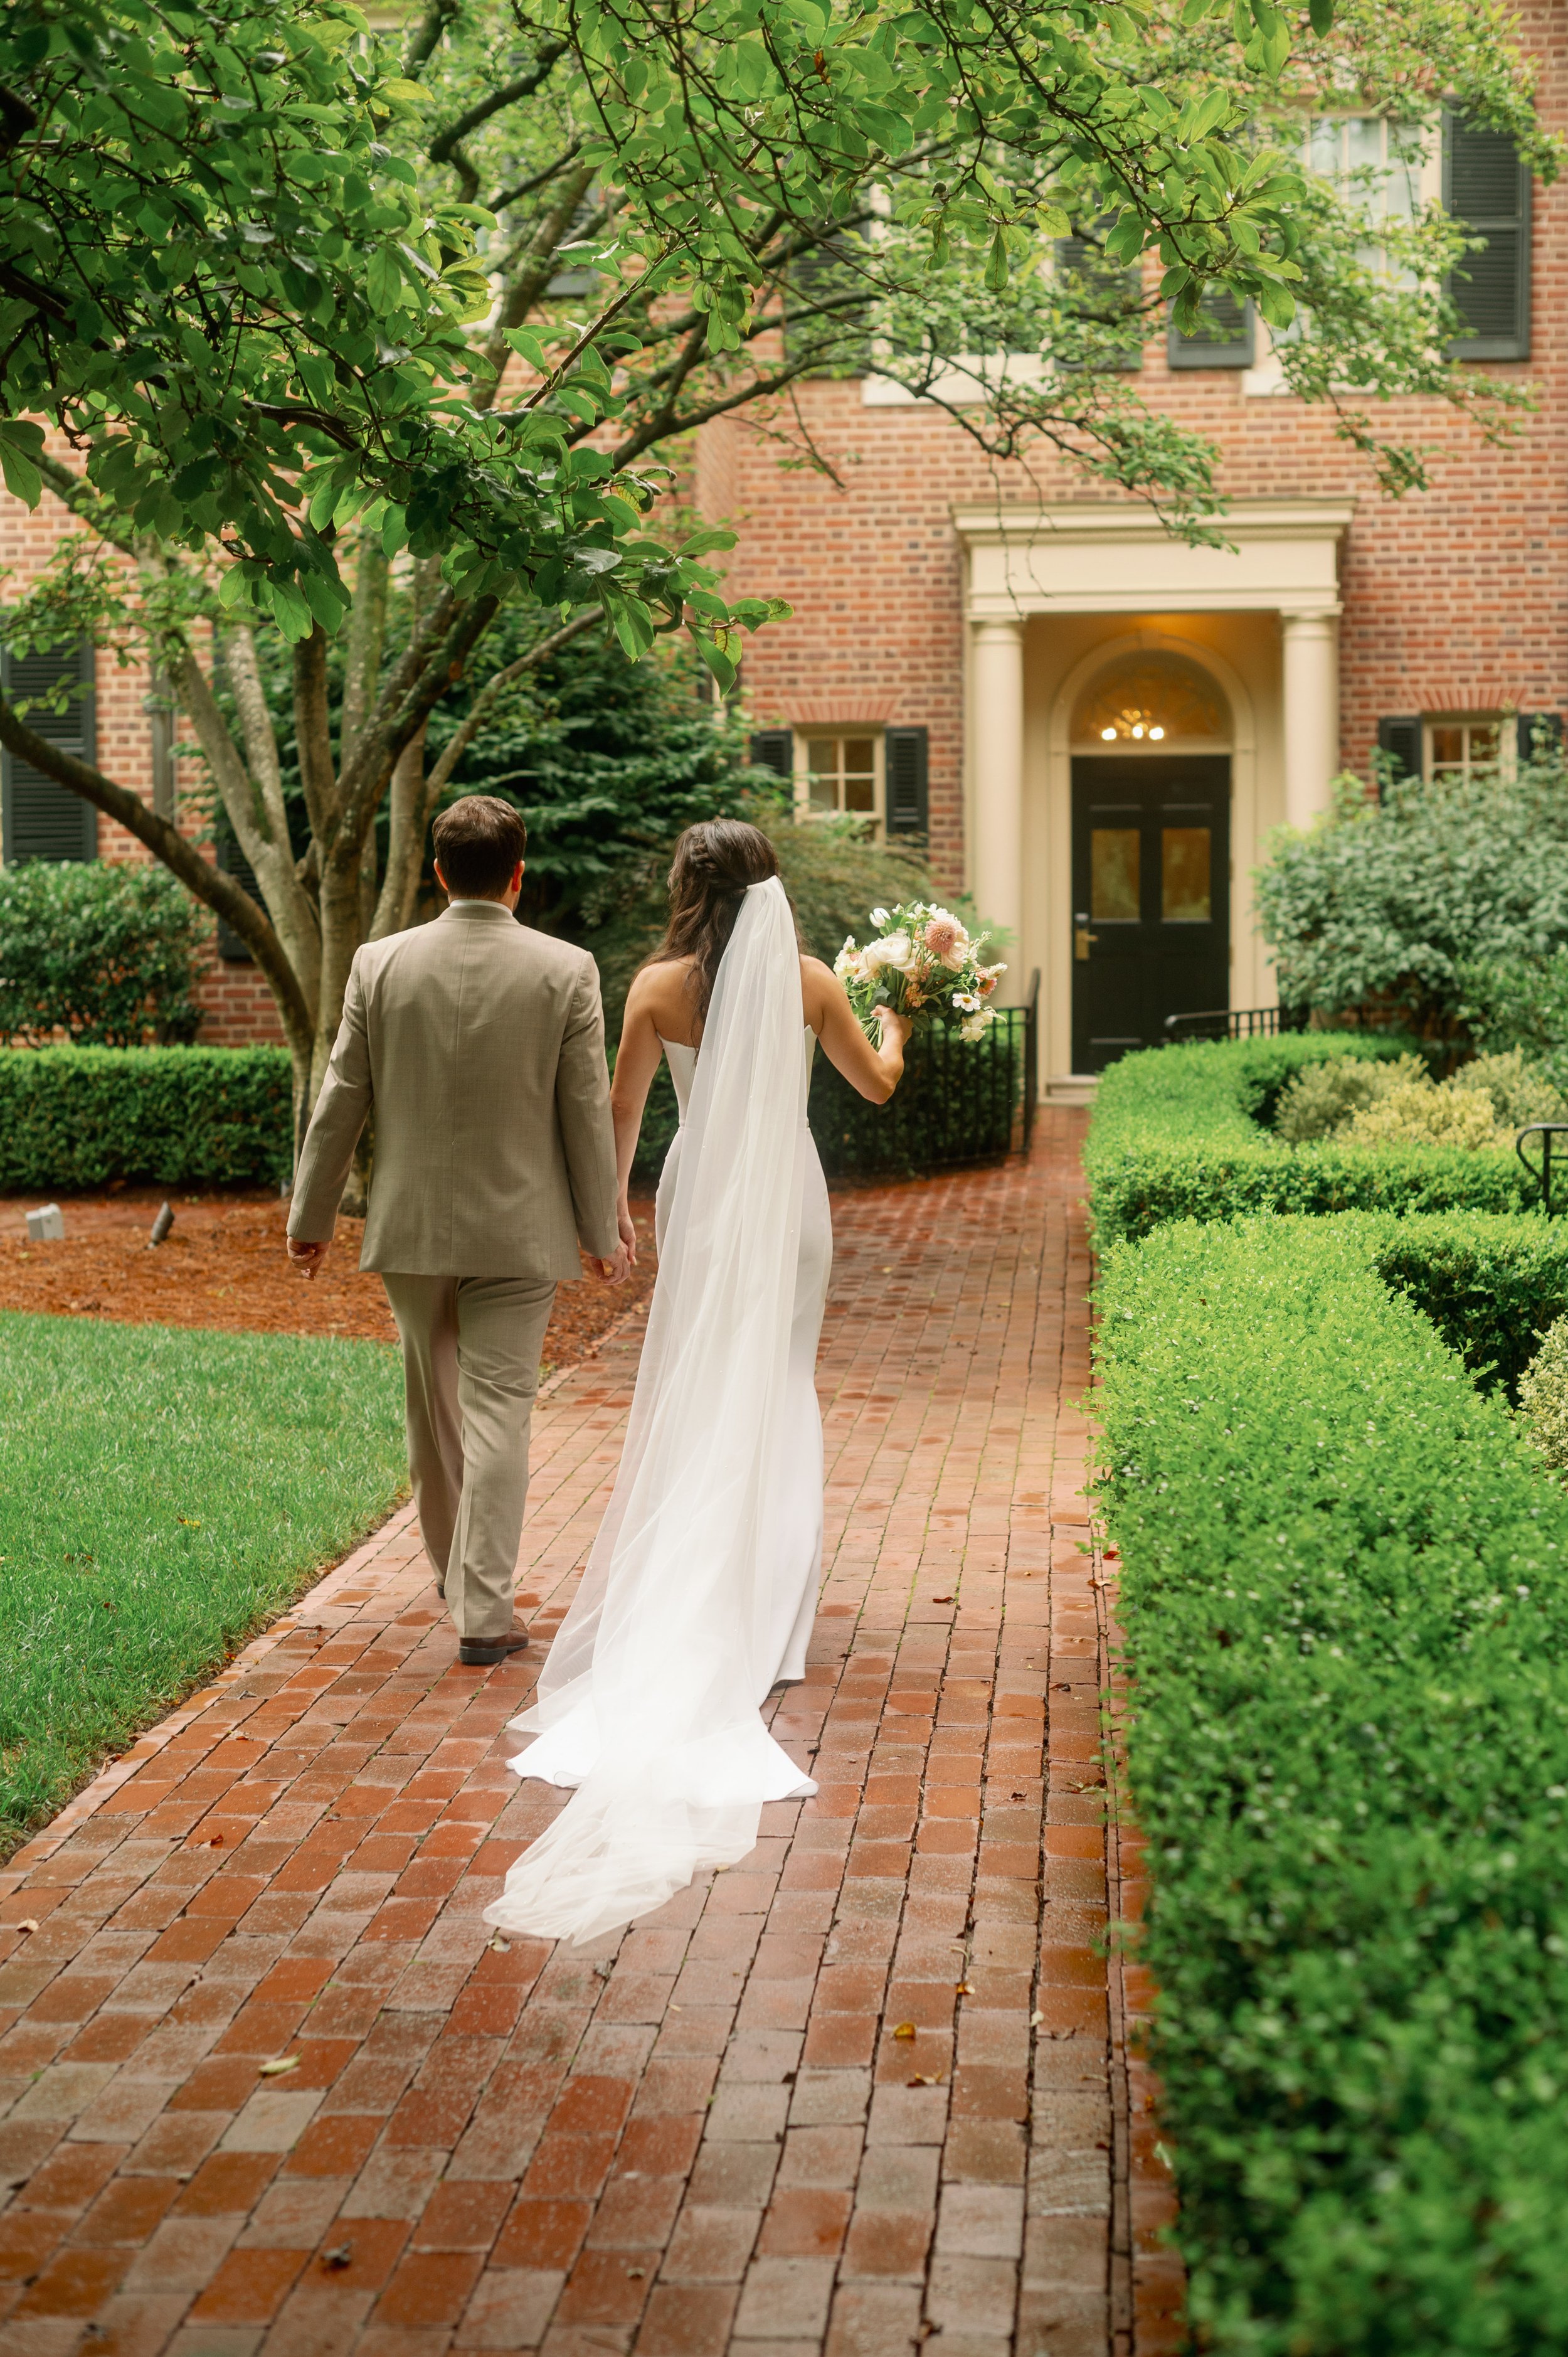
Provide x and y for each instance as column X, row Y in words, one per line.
column 74, row 1117
column 1345, row 1591
column 1181, row 1132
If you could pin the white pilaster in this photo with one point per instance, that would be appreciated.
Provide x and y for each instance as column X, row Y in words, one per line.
column 997, row 797
column 1311, row 711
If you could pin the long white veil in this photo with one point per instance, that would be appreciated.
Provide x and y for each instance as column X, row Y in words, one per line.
column 649, row 1697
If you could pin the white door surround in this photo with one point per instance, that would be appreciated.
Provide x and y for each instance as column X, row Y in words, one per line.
column 1026, row 567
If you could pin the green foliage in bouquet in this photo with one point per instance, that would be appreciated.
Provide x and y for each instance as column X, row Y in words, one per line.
column 1345, row 1594
column 921, row 961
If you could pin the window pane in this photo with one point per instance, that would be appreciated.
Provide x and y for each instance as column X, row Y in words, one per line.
column 1324, row 151
column 1183, row 875
column 823, row 755
column 1365, row 152
column 860, row 793
column 859, row 754
column 1447, row 743
column 824, row 792
column 1114, row 875
column 1484, row 743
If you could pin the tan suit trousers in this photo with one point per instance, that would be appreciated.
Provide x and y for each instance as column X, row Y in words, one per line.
column 470, row 1362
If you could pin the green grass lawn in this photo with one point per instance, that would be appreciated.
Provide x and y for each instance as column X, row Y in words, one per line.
column 162, row 1494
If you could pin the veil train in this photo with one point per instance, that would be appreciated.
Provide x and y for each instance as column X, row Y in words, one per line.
column 649, row 1699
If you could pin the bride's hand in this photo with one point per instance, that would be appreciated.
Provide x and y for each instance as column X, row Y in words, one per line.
column 894, row 1025
column 628, row 1227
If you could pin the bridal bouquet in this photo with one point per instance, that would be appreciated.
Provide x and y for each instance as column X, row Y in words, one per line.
column 922, row 963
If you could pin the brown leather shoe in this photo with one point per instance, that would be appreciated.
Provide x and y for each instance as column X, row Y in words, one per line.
column 475, row 1656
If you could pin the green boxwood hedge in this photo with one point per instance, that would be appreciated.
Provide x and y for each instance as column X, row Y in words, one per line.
column 75, row 1117
column 1181, row 1132
column 1345, row 1592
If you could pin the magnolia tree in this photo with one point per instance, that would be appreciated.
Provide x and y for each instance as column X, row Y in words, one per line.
column 357, row 345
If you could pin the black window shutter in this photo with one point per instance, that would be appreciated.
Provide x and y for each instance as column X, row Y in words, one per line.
column 1487, row 187
column 1109, row 291
column 1401, row 738
column 908, row 798
column 1539, row 733
column 1223, row 338
column 40, row 819
column 233, row 862
column 774, row 748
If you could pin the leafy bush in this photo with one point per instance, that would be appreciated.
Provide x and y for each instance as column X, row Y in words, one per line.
column 1345, row 1594
column 1180, row 1133
column 1417, row 1114
column 1322, row 1097
column 105, row 954
column 1521, row 1003
column 1387, row 905
column 1519, row 1088
column 74, row 1117
column 1492, row 1285
column 1544, row 1397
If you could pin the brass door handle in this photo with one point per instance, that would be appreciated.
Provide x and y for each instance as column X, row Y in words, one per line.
column 1081, row 937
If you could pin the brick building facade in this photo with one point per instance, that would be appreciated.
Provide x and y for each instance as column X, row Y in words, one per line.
column 1098, row 725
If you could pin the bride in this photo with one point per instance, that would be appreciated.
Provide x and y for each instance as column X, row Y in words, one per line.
column 699, row 1592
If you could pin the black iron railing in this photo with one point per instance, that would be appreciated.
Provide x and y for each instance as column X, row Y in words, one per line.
column 1546, row 1131
column 960, row 1100
column 1235, row 1023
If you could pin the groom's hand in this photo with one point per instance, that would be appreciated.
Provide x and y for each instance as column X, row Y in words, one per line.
column 306, row 1257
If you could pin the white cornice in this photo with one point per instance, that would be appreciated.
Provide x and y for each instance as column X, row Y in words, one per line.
column 1085, row 557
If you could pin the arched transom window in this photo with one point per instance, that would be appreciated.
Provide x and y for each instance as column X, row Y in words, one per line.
column 1150, row 697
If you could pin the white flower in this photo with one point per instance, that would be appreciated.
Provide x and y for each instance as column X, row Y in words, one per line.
column 974, row 1027
column 892, row 949
column 966, row 1002
column 879, row 917
column 848, row 958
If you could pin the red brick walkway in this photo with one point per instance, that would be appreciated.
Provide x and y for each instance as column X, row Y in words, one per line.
column 865, row 2093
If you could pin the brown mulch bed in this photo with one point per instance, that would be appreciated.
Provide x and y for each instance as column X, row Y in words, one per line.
column 223, row 1265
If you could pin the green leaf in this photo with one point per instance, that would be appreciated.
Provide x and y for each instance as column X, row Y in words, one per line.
column 21, row 443
column 1321, row 13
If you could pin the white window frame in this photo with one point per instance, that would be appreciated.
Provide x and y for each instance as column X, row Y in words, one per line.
column 1504, row 723
column 841, row 729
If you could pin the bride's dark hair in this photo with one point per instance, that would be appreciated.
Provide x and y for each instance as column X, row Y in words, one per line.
column 715, row 864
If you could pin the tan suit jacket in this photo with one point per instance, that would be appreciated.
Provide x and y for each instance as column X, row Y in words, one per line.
column 480, row 1045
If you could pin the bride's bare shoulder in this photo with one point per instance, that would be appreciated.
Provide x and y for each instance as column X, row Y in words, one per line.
column 660, row 990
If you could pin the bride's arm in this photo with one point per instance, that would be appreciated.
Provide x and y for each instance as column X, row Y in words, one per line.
column 875, row 1071
column 637, row 1060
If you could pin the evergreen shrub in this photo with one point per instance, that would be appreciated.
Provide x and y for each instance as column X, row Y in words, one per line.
column 1182, row 1132
column 1345, row 1594
column 77, row 1117
column 106, row 955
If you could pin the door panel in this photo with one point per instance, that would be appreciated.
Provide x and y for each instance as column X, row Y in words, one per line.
column 1151, row 870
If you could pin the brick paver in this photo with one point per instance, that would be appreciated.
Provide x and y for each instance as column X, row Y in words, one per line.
column 864, row 2093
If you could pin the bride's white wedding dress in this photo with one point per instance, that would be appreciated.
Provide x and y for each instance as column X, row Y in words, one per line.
column 699, row 1593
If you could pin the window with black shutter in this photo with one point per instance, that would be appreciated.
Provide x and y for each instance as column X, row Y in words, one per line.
column 773, row 749
column 1400, row 738
column 826, row 312
column 905, row 752
column 1108, row 292
column 233, row 862
column 1539, row 734
column 1223, row 338
column 1487, row 188
column 40, row 819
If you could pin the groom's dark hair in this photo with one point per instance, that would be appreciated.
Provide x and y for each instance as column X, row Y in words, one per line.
column 478, row 843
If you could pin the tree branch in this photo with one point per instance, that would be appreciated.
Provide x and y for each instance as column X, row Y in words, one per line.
column 445, row 142
column 313, row 734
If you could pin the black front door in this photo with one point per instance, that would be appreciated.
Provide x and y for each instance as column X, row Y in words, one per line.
column 1150, row 898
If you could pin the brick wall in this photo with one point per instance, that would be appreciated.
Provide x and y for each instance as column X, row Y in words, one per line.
column 1455, row 598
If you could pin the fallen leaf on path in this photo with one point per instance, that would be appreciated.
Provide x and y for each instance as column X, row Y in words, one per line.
column 28, row 1923
column 926, row 2079
column 905, row 2030
column 284, row 2063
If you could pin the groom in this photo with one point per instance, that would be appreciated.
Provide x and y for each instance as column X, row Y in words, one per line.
column 480, row 1045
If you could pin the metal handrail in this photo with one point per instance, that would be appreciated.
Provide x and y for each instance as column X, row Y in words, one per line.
column 1031, row 1055
column 1548, row 1130
column 1233, row 1023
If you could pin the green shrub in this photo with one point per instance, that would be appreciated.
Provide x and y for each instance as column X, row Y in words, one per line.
column 1521, row 1087
column 1182, row 1132
column 1322, row 1097
column 74, row 1117
column 1521, row 1002
column 1344, row 1593
column 105, row 954
column 1386, row 905
column 1492, row 1287
column 1544, row 1397
column 1418, row 1114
